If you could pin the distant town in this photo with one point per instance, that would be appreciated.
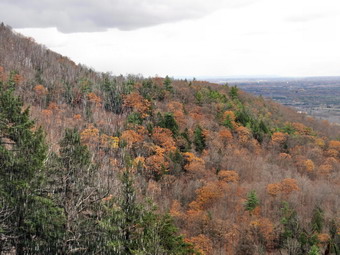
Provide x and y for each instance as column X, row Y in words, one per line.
column 315, row 96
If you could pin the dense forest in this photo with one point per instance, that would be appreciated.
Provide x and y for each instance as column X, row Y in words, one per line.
column 92, row 163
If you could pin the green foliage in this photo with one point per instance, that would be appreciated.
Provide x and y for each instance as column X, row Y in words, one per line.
column 243, row 117
column 113, row 93
column 208, row 95
column 252, row 201
column 289, row 221
column 132, row 228
column 288, row 128
column 199, row 139
column 27, row 214
column 85, row 86
column 334, row 243
column 258, row 127
column 168, row 121
column 199, row 97
column 317, row 220
column 233, row 93
column 151, row 91
column 135, row 118
column 259, row 130
column 167, row 84
column 314, row 250
column 227, row 122
column 177, row 162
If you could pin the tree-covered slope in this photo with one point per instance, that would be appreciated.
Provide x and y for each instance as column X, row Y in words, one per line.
column 237, row 173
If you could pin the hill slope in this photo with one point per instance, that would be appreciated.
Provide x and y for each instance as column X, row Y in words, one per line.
column 238, row 174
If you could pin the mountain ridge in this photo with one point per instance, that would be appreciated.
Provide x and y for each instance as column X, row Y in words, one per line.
column 239, row 174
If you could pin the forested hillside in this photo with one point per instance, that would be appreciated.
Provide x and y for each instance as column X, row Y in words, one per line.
column 92, row 163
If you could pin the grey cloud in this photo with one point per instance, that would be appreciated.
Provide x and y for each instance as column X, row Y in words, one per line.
column 98, row 15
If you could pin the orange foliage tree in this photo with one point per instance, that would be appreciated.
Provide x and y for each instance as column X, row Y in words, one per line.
column 131, row 137
column 286, row 186
column 228, row 176
column 138, row 104
column 202, row 243
column 163, row 137
column 40, row 90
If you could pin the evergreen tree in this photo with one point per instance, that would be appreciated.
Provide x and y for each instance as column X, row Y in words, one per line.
column 168, row 121
column 233, row 93
column 199, row 139
column 30, row 221
column 252, row 201
column 317, row 220
column 167, row 84
column 132, row 228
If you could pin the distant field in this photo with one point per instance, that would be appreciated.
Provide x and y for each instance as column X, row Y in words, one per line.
column 316, row 96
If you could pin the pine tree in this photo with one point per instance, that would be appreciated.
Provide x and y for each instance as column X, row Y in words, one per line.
column 199, row 139
column 27, row 214
column 167, row 84
column 252, row 201
column 130, row 227
column 233, row 93
column 168, row 121
column 317, row 220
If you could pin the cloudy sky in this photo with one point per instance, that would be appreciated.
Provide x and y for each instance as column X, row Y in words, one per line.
column 187, row 37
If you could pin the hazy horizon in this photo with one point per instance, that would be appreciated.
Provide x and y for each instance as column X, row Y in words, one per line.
column 187, row 38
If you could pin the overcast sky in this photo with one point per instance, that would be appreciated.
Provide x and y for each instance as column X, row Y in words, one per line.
column 187, row 37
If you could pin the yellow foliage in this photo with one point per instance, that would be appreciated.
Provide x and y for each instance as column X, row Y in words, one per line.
column 309, row 165
column 90, row 135
column 107, row 141
column 320, row 142
column 139, row 161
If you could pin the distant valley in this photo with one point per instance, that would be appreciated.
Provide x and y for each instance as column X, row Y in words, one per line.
column 315, row 96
